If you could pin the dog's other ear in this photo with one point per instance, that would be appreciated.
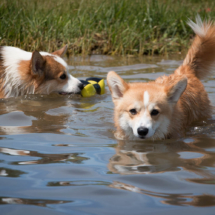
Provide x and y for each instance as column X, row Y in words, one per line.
column 61, row 51
column 116, row 85
column 37, row 62
column 175, row 91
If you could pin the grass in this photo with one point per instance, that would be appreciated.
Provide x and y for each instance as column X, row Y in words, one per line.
column 123, row 27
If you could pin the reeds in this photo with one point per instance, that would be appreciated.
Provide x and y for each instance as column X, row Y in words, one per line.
column 101, row 26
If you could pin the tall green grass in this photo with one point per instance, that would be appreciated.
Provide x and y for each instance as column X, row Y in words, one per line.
column 101, row 26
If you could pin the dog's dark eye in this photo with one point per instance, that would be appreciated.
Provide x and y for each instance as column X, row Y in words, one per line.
column 154, row 112
column 133, row 111
column 63, row 76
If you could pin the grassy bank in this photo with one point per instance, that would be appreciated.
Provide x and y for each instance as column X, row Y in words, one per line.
column 101, row 26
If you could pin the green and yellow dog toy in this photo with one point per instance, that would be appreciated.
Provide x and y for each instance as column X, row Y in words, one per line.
column 92, row 86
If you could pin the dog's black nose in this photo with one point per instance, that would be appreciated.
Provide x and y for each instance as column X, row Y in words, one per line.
column 142, row 131
column 80, row 86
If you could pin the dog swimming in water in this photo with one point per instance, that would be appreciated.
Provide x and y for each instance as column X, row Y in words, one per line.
column 164, row 108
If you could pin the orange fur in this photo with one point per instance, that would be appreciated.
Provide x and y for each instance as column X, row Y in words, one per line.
column 177, row 100
column 51, row 73
column 32, row 73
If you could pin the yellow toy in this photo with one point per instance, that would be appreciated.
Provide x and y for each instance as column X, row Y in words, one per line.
column 92, row 86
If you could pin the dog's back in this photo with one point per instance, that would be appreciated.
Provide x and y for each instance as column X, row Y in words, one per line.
column 199, row 63
column 165, row 107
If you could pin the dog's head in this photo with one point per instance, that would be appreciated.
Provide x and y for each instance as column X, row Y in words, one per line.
column 144, row 110
column 50, row 73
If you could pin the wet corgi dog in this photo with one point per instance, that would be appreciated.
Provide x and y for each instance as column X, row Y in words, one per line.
column 24, row 73
column 165, row 107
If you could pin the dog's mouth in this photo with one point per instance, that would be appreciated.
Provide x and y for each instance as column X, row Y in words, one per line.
column 66, row 93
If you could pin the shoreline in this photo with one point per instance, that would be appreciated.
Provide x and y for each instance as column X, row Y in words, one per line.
column 114, row 27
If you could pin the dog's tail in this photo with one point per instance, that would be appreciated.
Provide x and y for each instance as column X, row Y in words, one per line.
column 201, row 55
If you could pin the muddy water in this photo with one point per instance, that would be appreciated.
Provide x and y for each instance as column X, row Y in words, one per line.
column 58, row 154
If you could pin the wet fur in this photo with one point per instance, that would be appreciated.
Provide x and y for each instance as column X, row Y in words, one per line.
column 24, row 73
column 180, row 97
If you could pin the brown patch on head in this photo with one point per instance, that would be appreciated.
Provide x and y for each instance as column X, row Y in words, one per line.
column 53, row 69
column 147, row 102
column 135, row 96
column 41, row 70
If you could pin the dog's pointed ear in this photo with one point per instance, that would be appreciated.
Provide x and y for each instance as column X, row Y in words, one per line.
column 61, row 51
column 116, row 85
column 175, row 91
column 37, row 62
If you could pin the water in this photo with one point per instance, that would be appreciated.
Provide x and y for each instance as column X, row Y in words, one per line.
column 58, row 155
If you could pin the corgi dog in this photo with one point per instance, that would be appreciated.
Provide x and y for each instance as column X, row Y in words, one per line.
column 164, row 108
column 24, row 73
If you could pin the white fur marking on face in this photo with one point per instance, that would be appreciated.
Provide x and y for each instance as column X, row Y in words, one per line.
column 71, row 86
column 61, row 61
column 146, row 121
column 143, row 121
column 162, row 128
column 14, row 86
column 157, row 129
column 126, row 125
column 146, row 99
column 57, row 58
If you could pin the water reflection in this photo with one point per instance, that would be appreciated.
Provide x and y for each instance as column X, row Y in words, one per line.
column 37, row 202
column 6, row 172
column 44, row 158
column 41, row 114
column 78, row 183
column 203, row 200
column 57, row 149
column 193, row 155
column 32, row 117
column 152, row 157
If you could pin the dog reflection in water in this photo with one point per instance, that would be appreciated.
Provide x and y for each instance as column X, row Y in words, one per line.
column 42, row 158
column 151, row 158
column 37, row 202
column 203, row 200
column 40, row 114
column 138, row 158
